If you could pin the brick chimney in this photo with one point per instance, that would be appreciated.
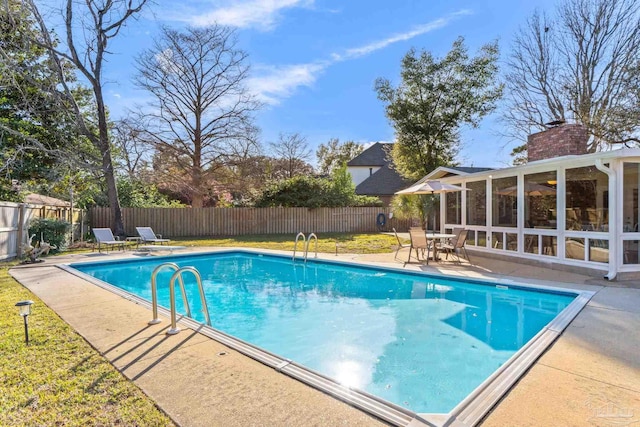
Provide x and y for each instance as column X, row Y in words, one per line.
column 561, row 140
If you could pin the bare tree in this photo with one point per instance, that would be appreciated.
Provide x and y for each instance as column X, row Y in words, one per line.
column 133, row 153
column 292, row 148
column 89, row 26
column 200, row 111
column 245, row 171
column 578, row 66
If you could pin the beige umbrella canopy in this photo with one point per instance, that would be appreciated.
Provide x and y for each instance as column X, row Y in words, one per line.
column 430, row 187
column 530, row 189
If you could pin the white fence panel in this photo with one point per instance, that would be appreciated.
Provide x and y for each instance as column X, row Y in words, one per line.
column 9, row 228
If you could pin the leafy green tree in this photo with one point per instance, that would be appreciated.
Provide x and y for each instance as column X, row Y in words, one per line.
column 36, row 132
column 414, row 207
column 334, row 154
column 9, row 192
column 434, row 99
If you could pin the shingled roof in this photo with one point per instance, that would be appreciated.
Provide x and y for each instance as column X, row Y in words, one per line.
column 376, row 155
column 39, row 199
column 384, row 182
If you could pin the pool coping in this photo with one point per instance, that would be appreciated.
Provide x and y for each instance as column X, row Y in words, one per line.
column 469, row 411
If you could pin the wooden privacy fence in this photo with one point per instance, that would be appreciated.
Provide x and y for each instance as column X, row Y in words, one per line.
column 204, row 222
column 14, row 224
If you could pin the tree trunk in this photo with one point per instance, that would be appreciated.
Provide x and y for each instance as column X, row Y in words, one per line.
column 107, row 165
column 197, row 201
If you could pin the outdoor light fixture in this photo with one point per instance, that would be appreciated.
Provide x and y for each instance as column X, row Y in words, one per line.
column 25, row 311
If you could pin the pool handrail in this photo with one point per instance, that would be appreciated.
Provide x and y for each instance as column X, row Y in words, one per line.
column 154, row 291
column 306, row 248
column 295, row 245
column 172, row 298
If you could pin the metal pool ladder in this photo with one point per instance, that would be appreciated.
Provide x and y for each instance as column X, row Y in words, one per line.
column 306, row 241
column 172, row 294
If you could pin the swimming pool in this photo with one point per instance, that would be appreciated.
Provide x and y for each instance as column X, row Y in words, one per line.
column 421, row 342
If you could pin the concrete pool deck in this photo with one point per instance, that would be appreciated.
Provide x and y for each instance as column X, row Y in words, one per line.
column 590, row 375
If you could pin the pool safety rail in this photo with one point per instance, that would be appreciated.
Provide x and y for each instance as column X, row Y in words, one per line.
column 306, row 241
column 177, row 275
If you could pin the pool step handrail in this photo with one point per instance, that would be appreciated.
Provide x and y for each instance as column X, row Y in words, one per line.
column 172, row 297
column 306, row 248
column 154, row 291
column 295, row 245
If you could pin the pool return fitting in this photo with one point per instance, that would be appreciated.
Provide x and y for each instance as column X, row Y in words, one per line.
column 172, row 294
column 306, row 241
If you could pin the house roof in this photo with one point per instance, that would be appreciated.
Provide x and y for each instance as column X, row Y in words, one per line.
column 575, row 160
column 39, row 199
column 376, row 155
column 385, row 181
column 466, row 169
column 445, row 171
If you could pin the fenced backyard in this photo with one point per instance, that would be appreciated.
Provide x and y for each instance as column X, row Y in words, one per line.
column 14, row 224
column 209, row 222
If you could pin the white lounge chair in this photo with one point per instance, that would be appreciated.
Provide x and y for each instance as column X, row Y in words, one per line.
column 148, row 236
column 104, row 237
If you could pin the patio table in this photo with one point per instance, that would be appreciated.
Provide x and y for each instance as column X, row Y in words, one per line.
column 440, row 237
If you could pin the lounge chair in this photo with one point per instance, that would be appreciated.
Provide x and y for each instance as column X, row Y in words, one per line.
column 148, row 236
column 104, row 237
column 400, row 244
column 456, row 245
column 419, row 243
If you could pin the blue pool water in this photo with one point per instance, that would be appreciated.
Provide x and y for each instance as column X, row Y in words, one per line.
column 421, row 342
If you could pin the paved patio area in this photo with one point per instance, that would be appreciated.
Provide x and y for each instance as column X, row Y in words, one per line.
column 590, row 376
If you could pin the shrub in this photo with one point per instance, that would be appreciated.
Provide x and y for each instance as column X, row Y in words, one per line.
column 52, row 231
column 310, row 192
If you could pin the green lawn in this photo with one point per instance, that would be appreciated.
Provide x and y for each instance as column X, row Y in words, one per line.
column 363, row 243
column 59, row 379
column 347, row 243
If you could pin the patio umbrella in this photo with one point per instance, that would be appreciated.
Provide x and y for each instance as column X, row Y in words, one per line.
column 530, row 189
column 430, row 187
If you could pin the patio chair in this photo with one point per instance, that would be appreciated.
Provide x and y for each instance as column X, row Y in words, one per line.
column 400, row 244
column 419, row 243
column 456, row 245
column 148, row 236
column 456, row 231
column 104, row 237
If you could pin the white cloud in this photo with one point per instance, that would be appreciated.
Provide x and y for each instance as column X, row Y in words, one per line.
column 381, row 44
column 276, row 82
column 261, row 14
column 273, row 83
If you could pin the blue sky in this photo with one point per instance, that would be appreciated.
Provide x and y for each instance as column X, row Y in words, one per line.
column 314, row 62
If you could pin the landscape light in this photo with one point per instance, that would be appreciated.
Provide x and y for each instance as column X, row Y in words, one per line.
column 25, row 311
